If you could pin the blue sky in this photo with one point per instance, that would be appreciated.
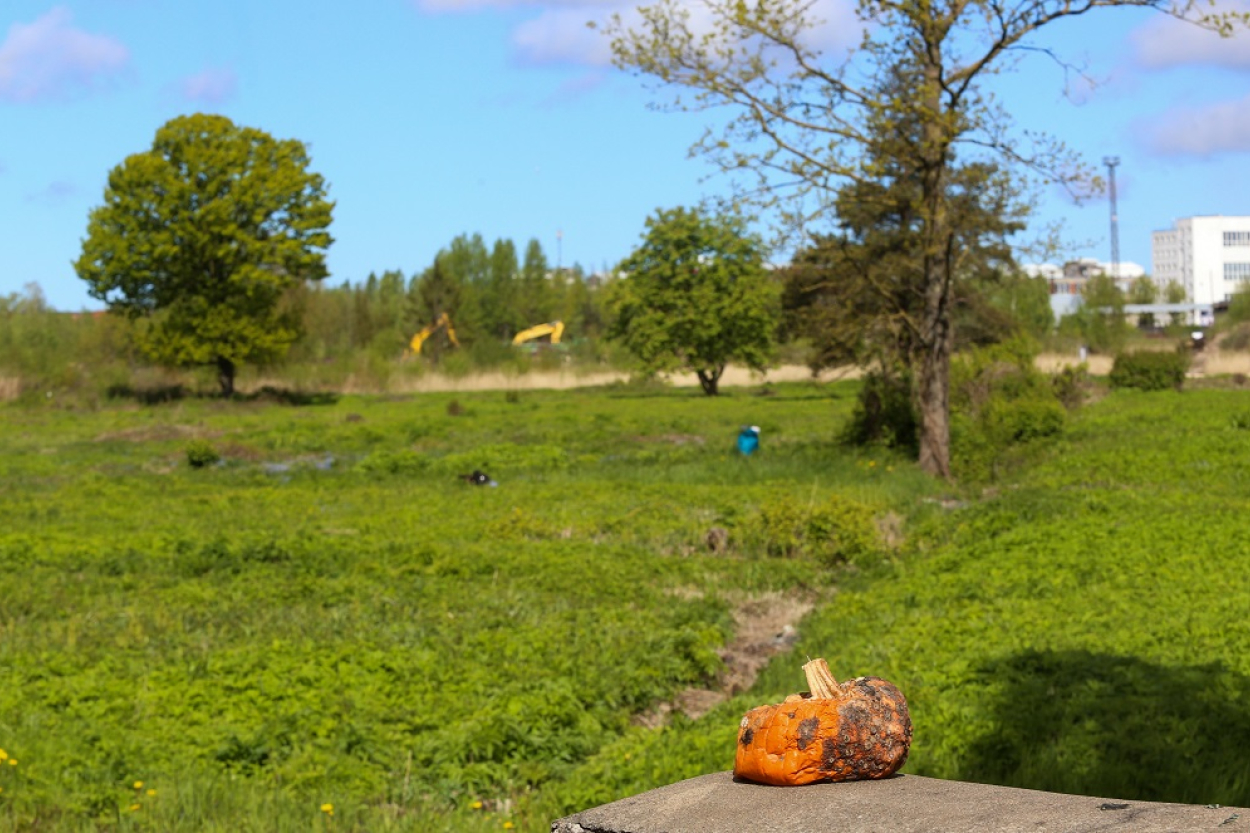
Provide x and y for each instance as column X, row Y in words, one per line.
column 433, row 118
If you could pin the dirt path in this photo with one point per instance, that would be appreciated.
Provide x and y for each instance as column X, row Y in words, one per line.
column 564, row 379
column 766, row 625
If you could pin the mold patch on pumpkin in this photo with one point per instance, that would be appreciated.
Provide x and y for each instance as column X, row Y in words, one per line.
column 807, row 731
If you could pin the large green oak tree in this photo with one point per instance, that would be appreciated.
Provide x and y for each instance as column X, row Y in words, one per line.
column 201, row 240
column 696, row 296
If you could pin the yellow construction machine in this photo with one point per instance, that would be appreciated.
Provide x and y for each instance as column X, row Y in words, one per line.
column 555, row 329
column 442, row 322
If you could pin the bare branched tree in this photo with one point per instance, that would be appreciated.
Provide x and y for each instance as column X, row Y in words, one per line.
column 802, row 122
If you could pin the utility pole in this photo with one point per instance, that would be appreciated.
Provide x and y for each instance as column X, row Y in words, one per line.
column 1111, row 162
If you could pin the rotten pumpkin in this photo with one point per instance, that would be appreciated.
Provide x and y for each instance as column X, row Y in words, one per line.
column 850, row 731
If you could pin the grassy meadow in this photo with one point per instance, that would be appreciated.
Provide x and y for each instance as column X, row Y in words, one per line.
column 327, row 629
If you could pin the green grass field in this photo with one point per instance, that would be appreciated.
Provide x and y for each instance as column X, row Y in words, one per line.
column 330, row 618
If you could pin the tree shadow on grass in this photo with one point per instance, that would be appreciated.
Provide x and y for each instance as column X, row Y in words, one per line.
column 1114, row 726
column 283, row 396
column 153, row 395
column 160, row 394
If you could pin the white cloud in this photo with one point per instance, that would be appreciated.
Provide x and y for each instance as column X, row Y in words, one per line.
column 50, row 59
column 560, row 35
column 1202, row 131
column 211, row 86
column 477, row 5
column 56, row 193
column 1164, row 42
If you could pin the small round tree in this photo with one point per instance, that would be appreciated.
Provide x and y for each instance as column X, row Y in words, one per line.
column 696, row 296
column 202, row 238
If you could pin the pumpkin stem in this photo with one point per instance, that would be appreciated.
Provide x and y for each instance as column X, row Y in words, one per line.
column 820, row 680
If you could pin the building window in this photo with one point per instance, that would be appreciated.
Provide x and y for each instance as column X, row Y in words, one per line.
column 1237, row 271
column 1237, row 238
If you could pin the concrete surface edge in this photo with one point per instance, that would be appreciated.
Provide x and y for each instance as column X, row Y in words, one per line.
column 905, row 804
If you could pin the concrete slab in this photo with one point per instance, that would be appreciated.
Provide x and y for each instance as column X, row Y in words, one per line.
column 903, row 804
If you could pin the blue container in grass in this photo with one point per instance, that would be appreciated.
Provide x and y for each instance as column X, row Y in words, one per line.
column 749, row 439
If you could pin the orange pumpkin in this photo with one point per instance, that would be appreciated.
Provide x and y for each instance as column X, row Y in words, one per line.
column 851, row 731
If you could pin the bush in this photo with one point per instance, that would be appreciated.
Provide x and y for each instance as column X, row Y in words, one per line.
column 402, row 461
column 1072, row 385
column 1022, row 420
column 1147, row 370
column 838, row 531
column 201, row 453
column 1000, row 400
column 883, row 414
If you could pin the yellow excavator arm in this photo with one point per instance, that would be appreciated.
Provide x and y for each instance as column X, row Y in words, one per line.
column 555, row 329
column 443, row 322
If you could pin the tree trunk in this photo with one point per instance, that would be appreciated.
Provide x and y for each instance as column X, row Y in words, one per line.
column 932, row 382
column 709, row 379
column 932, row 397
column 225, row 376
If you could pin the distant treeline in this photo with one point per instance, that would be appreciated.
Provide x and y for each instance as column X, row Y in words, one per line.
column 489, row 294
column 351, row 331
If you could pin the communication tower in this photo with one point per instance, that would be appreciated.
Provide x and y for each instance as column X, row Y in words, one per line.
column 1111, row 162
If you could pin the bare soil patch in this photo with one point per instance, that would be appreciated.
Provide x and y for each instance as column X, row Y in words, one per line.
column 767, row 625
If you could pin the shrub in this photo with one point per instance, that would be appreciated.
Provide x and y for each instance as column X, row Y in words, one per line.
column 1022, row 420
column 1072, row 385
column 838, row 531
column 201, row 453
column 883, row 414
column 403, row 461
column 1146, row 370
column 1000, row 400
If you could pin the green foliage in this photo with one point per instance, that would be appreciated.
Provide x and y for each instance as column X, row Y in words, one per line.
column 883, row 414
column 696, row 297
column 1149, row 370
column 427, row 655
column 835, row 531
column 203, row 236
column 1239, row 307
column 1001, row 403
column 1024, row 300
column 201, row 453
column 1072, row 385
column 1063, row 634
column 1143, row 290
column 366, row 629
column 392, row 461
column 1100, row 321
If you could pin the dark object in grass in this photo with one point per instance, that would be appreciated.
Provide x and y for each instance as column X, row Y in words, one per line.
column 478, row 478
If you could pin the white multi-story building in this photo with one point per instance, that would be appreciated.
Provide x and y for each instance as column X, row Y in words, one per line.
column 1209, row 256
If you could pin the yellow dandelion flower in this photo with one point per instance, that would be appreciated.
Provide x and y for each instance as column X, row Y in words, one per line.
column 12, row 761
column 476, row 805
column 4, row 756
column 134, row 808
column 138, row 785
column 152, row 791
column 328, row 809
column 507, row 825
